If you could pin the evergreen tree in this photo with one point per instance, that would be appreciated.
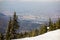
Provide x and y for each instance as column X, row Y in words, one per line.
column 58, row 23
column 8, row 33
column 50, row 25
column 54, row 26
column 12, row 28
column 36, row 32
column 43, row 29
column 20, row 35
column 15, row 25
column 25, row 34
column 1, row 36
column 32, row 34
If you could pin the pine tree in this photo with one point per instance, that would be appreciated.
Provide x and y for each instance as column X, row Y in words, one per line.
column 54, row 26
column 21, row 35
column 58, row 23
column 32, row 34
column 36, row 32
column 50, row 25
column 1, row 36
column 8, row 33
column 25, row 34
column 12, row 28
column 15, row 25
column 43, row 29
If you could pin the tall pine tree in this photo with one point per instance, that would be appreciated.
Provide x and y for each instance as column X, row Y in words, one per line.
column 54, row 26
column 15, row 25
column 50, row 25
column 8, row 33
column 12, row 28
column 58, row 23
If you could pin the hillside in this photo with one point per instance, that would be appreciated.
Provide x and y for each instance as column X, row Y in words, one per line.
column 3, row 22
column 52, row 35
column 24, row 24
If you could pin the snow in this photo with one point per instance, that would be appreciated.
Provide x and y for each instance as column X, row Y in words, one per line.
column 52, row 35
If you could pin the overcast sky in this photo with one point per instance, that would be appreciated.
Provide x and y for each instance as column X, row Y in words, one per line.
column 30, row 7
column 31, row 0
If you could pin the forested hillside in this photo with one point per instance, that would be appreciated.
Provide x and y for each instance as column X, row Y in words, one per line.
column 13, row 27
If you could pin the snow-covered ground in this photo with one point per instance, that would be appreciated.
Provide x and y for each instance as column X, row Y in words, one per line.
column 52, row 35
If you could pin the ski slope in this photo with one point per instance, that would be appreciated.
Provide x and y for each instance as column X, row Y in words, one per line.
column 52, row 35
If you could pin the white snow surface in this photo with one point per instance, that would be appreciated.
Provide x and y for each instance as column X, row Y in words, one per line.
column 52, row 35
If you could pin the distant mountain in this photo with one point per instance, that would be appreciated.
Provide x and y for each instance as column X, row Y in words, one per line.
column 1, row 14
column 25, row 25
column 3, row 22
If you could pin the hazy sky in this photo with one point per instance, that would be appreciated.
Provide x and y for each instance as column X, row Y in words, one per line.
column 31, row 0
column 31, row 7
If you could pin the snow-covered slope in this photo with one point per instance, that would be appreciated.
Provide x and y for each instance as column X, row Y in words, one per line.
column 52, row 35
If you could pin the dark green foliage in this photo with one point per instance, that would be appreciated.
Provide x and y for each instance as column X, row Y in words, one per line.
column 50, row 22
column 19, row 35
column 54, row 26
column 32, row 33
column 15, row 21
column 23, row 35
column 8, row 33
column 1, row 36
column 26, row 34
column 12, row 28
column 43, row 29
column 58, row 23
column 15, row 25
column 36, row 32
column 50, row 25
